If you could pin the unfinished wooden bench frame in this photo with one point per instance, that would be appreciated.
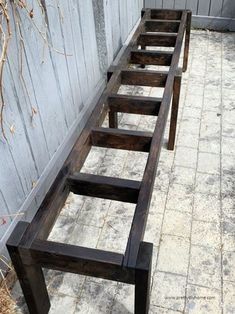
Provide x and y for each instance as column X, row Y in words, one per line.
column 28, row 245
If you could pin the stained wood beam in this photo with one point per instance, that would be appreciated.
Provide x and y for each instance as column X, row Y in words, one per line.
column 134, row 104
column 151, row 57
column 121, row 139
column 162, row 26
column 81, row 260
column 144, row 78
column 166, row 14
column 158, row 39
column 104, row 187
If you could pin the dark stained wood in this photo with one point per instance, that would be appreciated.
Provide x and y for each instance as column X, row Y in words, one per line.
column 174, row 111
column 81, row 260
column 187, row 40
column 158, row 39
column 113, row 119
column 121, row 139
column 162, row 26
column 166, row 14
column 142, row 208
column 150, row 57
column 134, row 104
column 27, row 246
column 104, row 187
column 144, row 78
column 30, row 274
column 143, row 278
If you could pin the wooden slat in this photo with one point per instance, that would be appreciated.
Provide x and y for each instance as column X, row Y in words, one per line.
column 151, row 57
column 158, row 40
column 134, row 104
column 104, row 187
column 162, row 26
column 144, row 78
column 166, row 14
column 121, row 139
column 81, row 260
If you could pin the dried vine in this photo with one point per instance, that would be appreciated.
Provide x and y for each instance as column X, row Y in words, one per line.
column 5, row 36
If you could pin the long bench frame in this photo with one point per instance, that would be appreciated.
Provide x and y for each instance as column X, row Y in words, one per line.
column 28, row 245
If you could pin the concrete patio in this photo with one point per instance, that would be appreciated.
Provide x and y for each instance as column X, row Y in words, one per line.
column 192, row 214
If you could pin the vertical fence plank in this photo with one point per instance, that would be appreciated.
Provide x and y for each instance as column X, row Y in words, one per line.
column 216, row 7
column 228, row 8
column 203, row 7
column 192, row 5
column 168, row 4
column 180, row 4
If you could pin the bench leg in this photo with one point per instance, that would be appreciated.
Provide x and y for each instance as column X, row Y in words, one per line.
column 143, row 278
column 174, row 112
column 30, row 276
column 187, row 40
column 113, row 120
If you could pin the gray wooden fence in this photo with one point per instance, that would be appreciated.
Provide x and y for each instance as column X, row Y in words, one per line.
column 51, row 83
column 212, row 14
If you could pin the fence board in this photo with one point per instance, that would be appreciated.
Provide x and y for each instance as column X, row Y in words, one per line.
column 216, row 8
column 228, row 9
column 168, row 4
column 192, row 5
column 180, row 4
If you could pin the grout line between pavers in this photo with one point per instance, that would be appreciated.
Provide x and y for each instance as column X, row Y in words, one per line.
column 193, row 199
column 221, row 173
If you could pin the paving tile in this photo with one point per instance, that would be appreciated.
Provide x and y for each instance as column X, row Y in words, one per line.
column 190, row 125
column 228, row 266
column 153, row 228
column 177, row 223
column 209, row 144
column 95, row 298
column 212, row 104
column 228, row 238
column 121, row 209
column 188, row 140
column 94, row 160
column 192, row 113
column 62, row 229
column 207, row 183
column 193, row 101
column 202, row 300
column 186, row 157
column 173, row 255
column 206, row 234
column 180, row 198
column 61, row 303
column 229, row 297
column 206, row 208
column 168, row 291
column 208, row 163
column 115, row 233
column 73, row 205
column 158, row 201
column 204, row 269
column 124, row 299
column 159, row 310
column 183, row 175
column 83, row 235
column 228, row 147
column 93, row 212
column 71, row 285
